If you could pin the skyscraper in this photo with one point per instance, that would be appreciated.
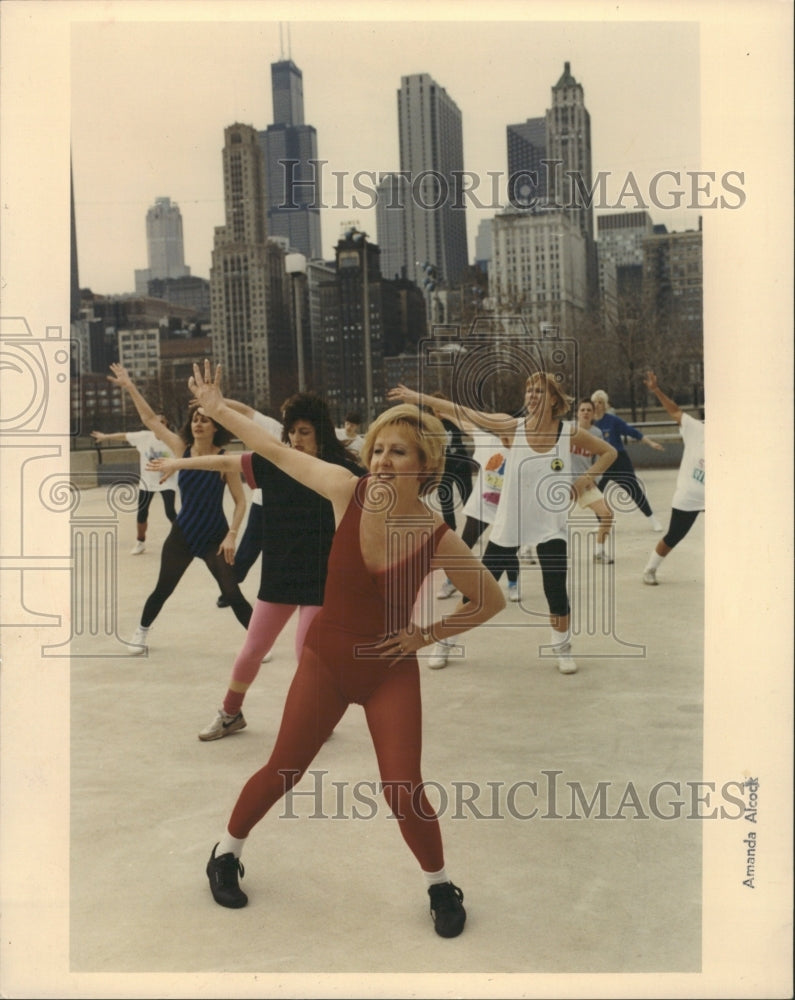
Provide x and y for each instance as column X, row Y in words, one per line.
column 569, row 141
column 250, row 302
column 290, row 150
column 392, row 196
column 527, row 147
column 164, row 245
column 432, row 152
column 569, row 180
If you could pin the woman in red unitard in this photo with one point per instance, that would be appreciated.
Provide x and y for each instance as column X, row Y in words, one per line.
column 362, row 645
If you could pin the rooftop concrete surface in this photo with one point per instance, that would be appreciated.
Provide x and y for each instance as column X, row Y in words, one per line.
column 569, row 860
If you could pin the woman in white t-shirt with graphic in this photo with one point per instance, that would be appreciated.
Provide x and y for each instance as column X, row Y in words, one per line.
column 537, row 487
column 688, row 500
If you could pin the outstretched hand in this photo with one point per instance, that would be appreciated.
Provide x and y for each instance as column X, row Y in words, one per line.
column 404, row 394
column 120, row 375
column 650, row 381
column 165, row 466
column 206, row 388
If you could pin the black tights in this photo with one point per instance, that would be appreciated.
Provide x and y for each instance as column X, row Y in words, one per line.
column 175, row 559
column 473, row 529
column 145, row 498
column 553, row 559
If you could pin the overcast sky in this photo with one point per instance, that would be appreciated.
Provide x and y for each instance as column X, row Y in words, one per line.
column 151, row 100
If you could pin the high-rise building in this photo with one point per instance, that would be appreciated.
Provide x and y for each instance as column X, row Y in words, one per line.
column 673, row 283
column 250, row 301
column 527, row 148
column 292, row 172
column 164, row 245
column 484, row 245
column 432, row 154
column 392, row 193
column 538, row 268
column 621, row 236
column 569, row 141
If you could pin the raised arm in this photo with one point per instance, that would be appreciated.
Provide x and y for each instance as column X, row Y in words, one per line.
column 226, row 464
column 330, row 481
column 100, row 437
column 121, row 377
column 672, row 408
column 501, row 424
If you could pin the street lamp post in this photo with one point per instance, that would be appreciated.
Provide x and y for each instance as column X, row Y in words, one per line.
column 295, row 265
column 360, row 238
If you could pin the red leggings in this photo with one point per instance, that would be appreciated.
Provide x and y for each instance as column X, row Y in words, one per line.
column 317, row 700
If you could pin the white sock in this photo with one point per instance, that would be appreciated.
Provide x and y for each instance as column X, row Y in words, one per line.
column 654, row 560
column 230, row 845
column 436, row 878
column 560, row 638
column 600, row 547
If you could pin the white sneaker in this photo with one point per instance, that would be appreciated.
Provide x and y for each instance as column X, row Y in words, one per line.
column 139, row 642
column 603, row 557
column 513, row 591
column 222, row 725
column 438, row 658
column 446, row 590
column 138, row 548
column 526, row 552
column 650, row 577
column 655, row 524
column 566, row 664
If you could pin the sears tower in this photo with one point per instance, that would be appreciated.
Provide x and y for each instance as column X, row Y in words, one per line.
column 290, row 151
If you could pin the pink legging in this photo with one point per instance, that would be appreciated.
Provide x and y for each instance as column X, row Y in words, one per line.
column 267, row 622
column 315, row 703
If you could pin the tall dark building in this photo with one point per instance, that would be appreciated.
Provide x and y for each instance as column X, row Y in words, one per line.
column 527, row 147
column 353, row 340
column 432, row 151
column 290, row 150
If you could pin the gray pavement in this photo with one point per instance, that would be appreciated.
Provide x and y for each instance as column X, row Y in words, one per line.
column 545, row 785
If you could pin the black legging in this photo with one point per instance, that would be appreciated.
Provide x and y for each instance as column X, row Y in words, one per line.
column 622, row 472
column 681, row 522
column 175, row 559
column 451, row 486
column 145, row 499
column 250, row 544
column 553, row 559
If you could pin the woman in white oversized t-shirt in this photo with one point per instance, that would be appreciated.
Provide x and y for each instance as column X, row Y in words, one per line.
column 537, row 488
column 688, row 500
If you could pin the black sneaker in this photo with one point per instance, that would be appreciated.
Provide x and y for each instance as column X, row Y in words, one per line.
column 222, row 602
column 449, row 916
column 222, row 873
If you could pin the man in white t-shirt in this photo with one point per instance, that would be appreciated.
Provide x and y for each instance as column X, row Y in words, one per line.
column 688, row 500
column 149, row 447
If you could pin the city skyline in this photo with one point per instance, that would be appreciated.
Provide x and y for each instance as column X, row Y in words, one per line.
column 744, row 93
column 146, row 140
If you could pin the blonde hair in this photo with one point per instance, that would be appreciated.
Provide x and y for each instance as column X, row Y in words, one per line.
column 600, row 396
column 561, row 403
column 426, row 432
